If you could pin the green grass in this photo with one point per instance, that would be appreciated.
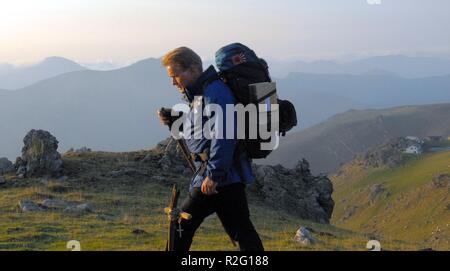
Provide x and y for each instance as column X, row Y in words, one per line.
column 137, row 203
column 410, row 208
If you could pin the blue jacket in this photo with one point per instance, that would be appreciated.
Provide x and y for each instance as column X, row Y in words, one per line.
column 223, row 166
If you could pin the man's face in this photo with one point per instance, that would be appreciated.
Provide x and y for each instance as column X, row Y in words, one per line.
column 181, row 78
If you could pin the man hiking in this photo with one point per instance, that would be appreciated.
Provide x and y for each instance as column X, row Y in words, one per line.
column 222, row 172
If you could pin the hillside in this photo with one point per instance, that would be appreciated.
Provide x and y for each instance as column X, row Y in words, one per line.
column 126, row 211
column 337, row 140
column 408, row 201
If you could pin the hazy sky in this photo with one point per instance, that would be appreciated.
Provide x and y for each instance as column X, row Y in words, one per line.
column 129, row 30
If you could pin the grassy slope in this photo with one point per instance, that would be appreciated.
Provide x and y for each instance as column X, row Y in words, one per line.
column 137, row 203
column 410, row 208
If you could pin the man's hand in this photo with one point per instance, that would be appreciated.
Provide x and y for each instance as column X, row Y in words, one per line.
column 164, row 118
column 167, row 116
column 209, row 187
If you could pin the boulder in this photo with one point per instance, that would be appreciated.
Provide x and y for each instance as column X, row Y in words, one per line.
column 304, row 237
column 39, row 155
column 28, row 206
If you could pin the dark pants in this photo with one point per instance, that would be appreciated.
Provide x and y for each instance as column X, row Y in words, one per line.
column 231, row 207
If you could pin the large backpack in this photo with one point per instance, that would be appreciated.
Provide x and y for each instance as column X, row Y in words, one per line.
column 241, row 69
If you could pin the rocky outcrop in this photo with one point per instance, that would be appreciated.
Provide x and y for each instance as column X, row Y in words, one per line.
column 39, row 155
column 390, row 154
column 294, row 190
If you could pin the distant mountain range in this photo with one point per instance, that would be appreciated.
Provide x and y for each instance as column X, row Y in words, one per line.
column 103, row 65
column 106, row 110
column 115, row 110
column 337, row 140
column 400, row 65
column 319, row 96
column 14, row 77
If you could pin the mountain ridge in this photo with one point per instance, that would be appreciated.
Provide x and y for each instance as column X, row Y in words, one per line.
column 16, row 77
column 338, row 139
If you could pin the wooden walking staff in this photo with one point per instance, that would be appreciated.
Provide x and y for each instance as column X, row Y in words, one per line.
column 174, row 216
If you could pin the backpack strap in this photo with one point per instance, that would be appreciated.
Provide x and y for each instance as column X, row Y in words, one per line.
column 240, row 144
column 209, row 81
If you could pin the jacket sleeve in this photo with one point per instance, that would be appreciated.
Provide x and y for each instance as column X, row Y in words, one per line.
column 221, row 152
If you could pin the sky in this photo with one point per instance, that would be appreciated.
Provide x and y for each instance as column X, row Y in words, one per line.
column 129, row 30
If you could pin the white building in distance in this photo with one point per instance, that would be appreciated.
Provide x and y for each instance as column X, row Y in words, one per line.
column 413, row 149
